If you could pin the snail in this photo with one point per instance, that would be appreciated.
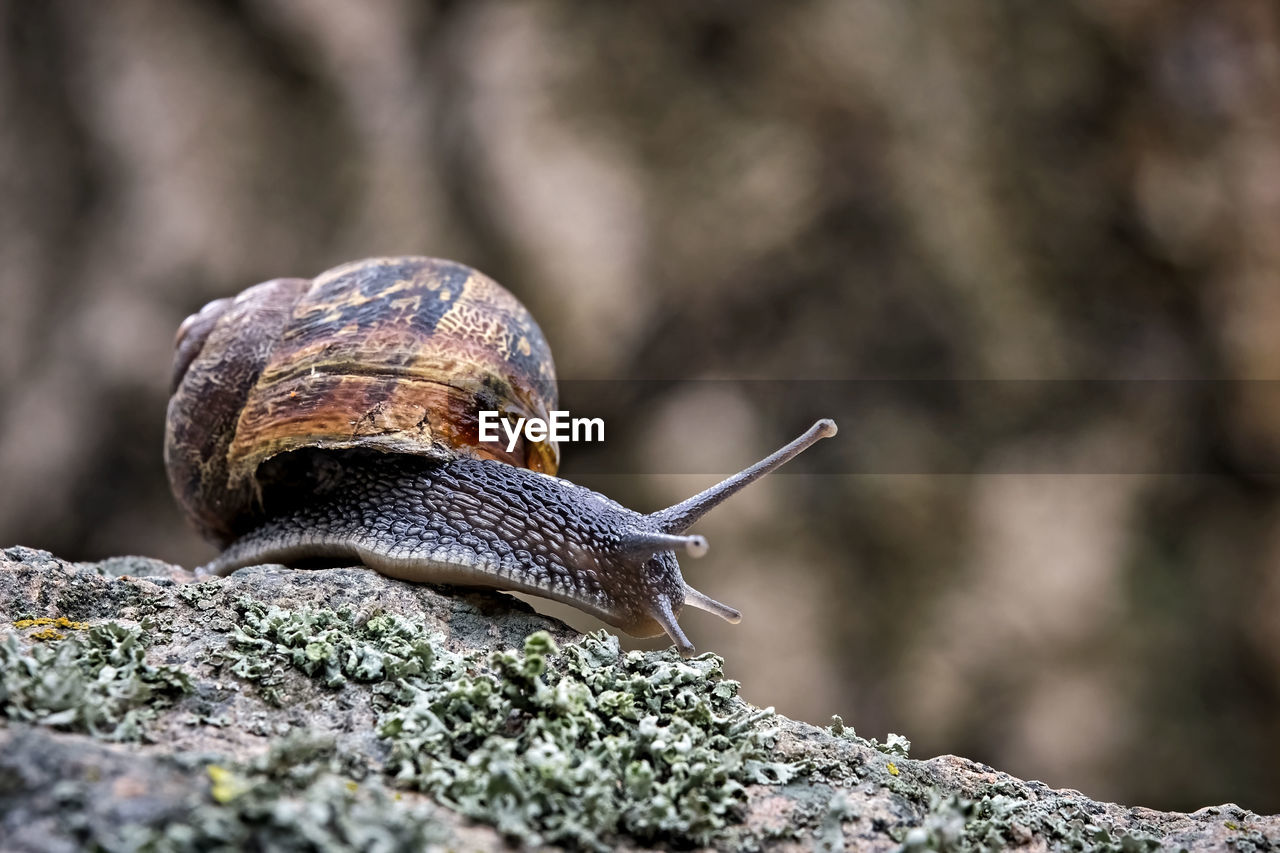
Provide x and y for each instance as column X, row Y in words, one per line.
column 336, row 418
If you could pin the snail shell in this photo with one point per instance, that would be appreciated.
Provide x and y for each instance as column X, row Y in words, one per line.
column 392, row 355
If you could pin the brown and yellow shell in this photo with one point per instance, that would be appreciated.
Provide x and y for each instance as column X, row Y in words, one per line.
column 397, row 355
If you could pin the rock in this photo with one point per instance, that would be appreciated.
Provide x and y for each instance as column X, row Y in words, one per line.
column 338, row 709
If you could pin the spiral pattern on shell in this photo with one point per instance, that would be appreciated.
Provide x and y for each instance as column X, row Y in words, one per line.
column 393, row 355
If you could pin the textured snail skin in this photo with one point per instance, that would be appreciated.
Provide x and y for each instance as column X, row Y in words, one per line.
column 479, row 523
column 483, row 523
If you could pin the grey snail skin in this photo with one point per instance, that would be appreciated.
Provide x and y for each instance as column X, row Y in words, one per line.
column 336, row 418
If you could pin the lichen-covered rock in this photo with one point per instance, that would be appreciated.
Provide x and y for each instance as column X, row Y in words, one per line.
column 141, row 709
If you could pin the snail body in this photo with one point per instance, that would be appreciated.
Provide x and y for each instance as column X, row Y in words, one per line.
column 336, row 418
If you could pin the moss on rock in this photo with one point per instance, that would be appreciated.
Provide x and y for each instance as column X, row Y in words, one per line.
column 97, row 681
column 342, row 710
column 297, row 797
column 576, row 747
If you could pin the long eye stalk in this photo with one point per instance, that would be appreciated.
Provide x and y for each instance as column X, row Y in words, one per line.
column 678, row 518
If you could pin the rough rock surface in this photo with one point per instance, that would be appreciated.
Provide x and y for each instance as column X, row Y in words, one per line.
column 338, row 709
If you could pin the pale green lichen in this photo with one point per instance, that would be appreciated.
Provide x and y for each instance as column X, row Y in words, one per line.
column 829, row 837
column 327, row 815
column 323, row 644
column 894, row 744
column 97, row 681
column 580, row 746
column 996, row 821
column 294, row 798
column 573, row 747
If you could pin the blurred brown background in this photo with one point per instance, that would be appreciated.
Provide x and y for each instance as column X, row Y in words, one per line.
column 1038, row 559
